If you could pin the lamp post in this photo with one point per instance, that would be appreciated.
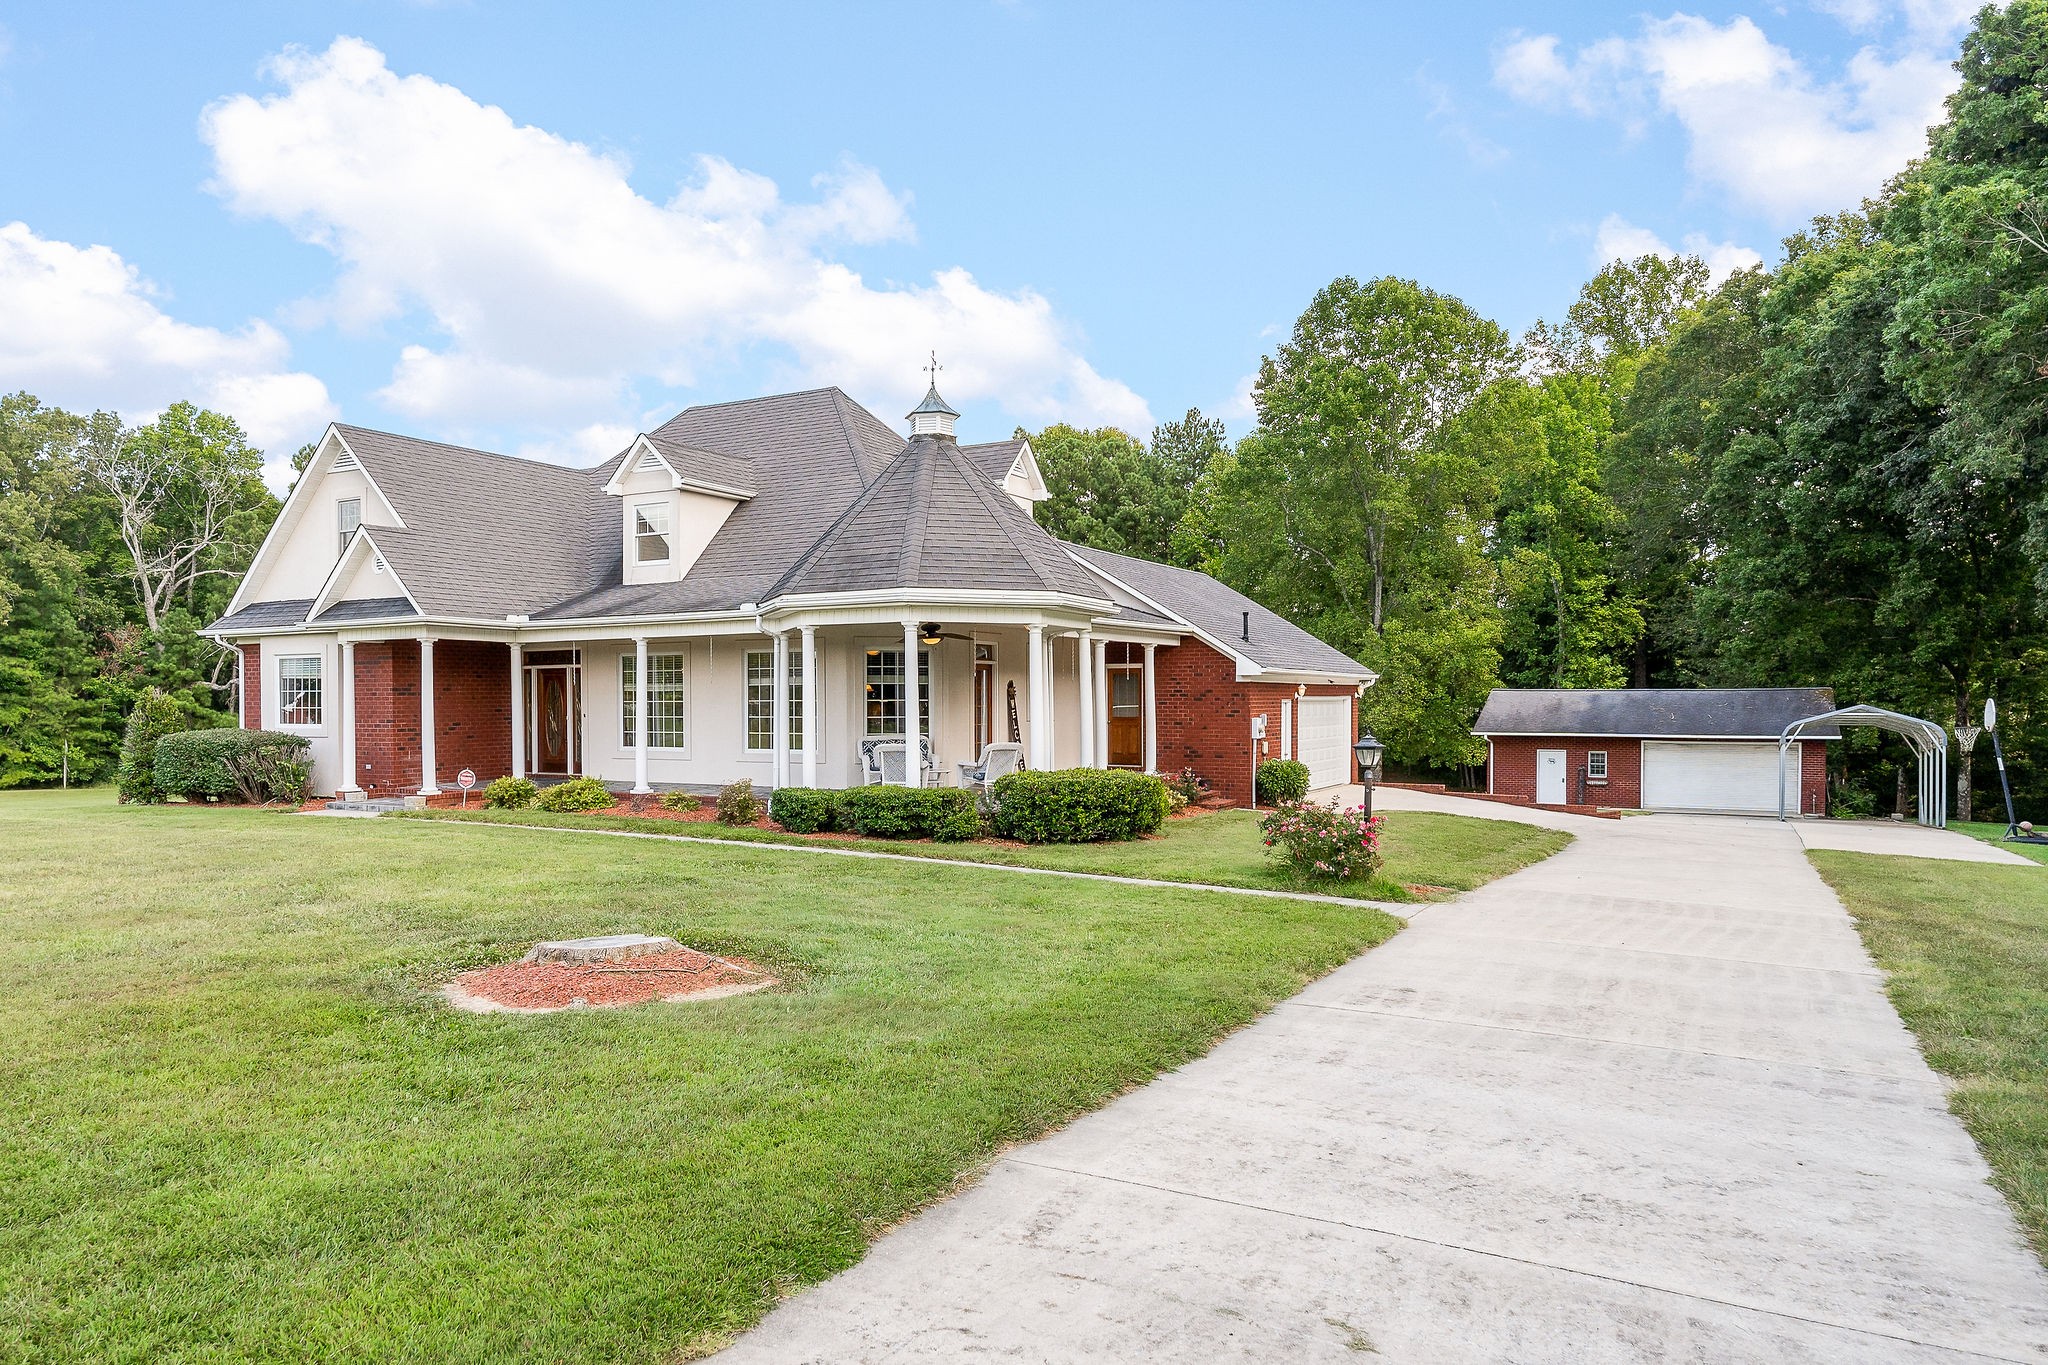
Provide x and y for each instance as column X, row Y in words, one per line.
column 1370, row 754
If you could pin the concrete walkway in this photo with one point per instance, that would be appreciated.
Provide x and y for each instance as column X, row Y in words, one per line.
column 1644, row 1101
column 1903, row 840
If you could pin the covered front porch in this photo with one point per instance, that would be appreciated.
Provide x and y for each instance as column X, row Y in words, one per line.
column 799, row 700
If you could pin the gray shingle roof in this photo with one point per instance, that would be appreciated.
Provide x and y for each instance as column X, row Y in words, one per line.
column 994, row 458
column 454, row 555
column 286, row 611
column 366, row 609
column 813, row 453
column 934, row 520
column 1654, row 712
column 1218, row 611
column 841, row 502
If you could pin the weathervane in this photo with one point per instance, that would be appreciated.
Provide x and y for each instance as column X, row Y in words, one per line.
column 933, row 369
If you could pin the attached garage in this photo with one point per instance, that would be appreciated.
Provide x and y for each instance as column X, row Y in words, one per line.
column 1717, row 775
column 1325, row 741
column 1703, row 749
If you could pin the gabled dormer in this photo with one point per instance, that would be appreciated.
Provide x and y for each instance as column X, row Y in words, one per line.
column 672, row 500
column 333, row 497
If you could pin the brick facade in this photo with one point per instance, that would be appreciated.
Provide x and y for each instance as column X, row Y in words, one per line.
column 472, row 710
column 388, row 717
column 1514, row 770
column 252, row 687
column 1205, row 717
column 472, row 713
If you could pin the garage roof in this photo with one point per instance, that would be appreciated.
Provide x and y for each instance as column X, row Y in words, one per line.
column 1655, row 712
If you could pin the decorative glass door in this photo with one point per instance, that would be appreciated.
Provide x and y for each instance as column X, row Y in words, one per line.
column 1127, row 717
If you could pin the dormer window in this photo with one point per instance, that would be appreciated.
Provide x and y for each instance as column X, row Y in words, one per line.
column 650, row 533
column 348, row 515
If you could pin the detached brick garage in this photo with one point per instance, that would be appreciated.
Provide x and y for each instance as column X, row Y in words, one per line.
column 1703, row 749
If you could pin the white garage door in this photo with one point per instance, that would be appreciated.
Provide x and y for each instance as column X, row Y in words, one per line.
column 1325, row 740
column 1718, row 777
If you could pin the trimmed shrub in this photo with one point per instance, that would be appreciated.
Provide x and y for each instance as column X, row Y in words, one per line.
column 737, row 804
column 257, row 766
column 1281, row 781
column 1078, row 805
column 1322, row 843
column 681, row 801
column 804, row 810
column 156, row 714
column 510, row 793
column 577, row 794
column 947, row 814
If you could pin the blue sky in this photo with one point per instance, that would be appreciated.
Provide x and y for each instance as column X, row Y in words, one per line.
column 541, row 228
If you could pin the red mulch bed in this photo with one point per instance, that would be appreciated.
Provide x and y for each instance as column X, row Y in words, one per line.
column 635, row 981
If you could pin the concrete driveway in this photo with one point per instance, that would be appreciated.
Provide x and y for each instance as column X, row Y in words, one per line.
column 1644, row 1101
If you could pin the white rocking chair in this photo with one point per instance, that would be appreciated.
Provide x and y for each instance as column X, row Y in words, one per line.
column 997, row 760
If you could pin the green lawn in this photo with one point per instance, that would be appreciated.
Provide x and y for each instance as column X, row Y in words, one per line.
column 1222, row 849
column 239, row 1126
column 1965, row 947
column 1995, row 834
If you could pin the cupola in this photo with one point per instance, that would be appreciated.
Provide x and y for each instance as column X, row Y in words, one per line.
column 934, row 416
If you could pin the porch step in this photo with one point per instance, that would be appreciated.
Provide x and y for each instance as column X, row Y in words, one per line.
column 375, row 805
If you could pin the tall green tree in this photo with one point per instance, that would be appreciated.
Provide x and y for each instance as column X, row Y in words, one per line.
column 1359, row 504
column 1565, row 621
column 1107, row 490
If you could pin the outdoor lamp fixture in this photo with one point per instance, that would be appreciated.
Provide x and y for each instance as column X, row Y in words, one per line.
column 928, row 633
column 1370, row 753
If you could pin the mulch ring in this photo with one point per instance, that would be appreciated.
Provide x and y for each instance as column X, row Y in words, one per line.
column 544, row 987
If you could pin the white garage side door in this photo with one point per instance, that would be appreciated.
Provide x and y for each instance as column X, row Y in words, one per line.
column 1325, row 740
column 1740, row 777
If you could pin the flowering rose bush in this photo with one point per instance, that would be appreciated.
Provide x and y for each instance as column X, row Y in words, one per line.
column 1324, row 843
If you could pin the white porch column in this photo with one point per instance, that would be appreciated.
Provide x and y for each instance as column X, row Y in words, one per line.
column 913, row 727
column 1040, row 682
column 1101, row 684
column 427, row 787
column 814, row 705
column 1151, row 715
column 779, row 739
column 351, row 770
column 518, row 710
column 640, row 787
column 1084, row 683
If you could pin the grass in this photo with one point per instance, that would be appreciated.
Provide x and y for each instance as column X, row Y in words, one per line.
column 1965, row 950
column 1992, row 833
column 240, row 1126
column 1221, row 849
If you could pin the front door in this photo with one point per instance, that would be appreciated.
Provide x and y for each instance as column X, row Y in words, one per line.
column 554, row 720
column 1550, row 777
column 984, row 698
column 1126, row 717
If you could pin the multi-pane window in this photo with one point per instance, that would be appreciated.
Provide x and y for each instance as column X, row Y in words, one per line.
column 1596, row 765
column 650, row 533
column 761, row 699
column 298, row 690
column 664, row 701
column 885, row 692
column 348, row 515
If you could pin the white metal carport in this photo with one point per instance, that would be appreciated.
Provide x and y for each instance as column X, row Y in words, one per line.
column 1929, row 741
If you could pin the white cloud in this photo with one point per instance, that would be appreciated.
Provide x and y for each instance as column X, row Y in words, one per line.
column 1923, row 20
column 557, row 286
column 1761, row 126
column 80, row 327
column 1617, row 239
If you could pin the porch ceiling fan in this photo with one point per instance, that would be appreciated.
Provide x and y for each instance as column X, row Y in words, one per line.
column 930, row 634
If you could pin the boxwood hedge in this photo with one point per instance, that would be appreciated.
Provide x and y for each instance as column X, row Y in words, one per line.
column 1078, row 805
column 230, row 764
column 804, row 810
column 946, row 814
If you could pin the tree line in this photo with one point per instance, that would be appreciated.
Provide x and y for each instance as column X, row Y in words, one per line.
column 117, row 545
column 1828, row 472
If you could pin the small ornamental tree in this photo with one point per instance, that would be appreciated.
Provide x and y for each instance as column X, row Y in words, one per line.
column 156, row 714
column 1323, row 843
